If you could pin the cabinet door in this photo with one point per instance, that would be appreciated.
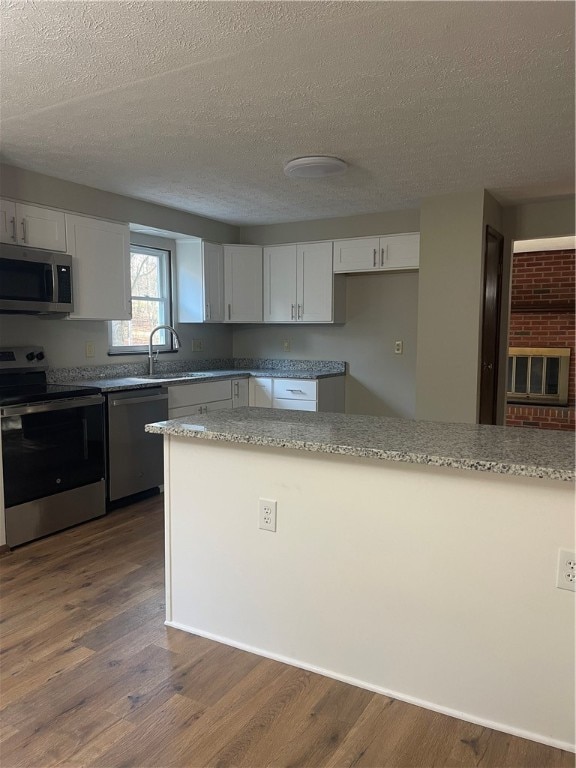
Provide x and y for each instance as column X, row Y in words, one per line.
column 357, row 255
column 400, row 251
column 40, row 227
column 218, row 405
column 239, row 393
column 260, row 392
column 315, row 283
column 100, row 268
column 280, row 284
column 8, row 222
column 213, row 268
column 243, row 283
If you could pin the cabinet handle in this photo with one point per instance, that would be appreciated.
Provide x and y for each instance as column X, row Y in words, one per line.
column 236, row 389
column 292, row 311
column 375, row 252
column 382, row 257
column 24, row 230
column 299, row 312
column 13, row 221
column 297, row 391
column 229, row 311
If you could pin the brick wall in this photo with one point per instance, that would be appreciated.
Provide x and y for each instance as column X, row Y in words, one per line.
column 543, row 286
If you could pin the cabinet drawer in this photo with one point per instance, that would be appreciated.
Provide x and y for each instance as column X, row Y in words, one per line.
column 295, row 389
column 201, row 392
column 294, row 405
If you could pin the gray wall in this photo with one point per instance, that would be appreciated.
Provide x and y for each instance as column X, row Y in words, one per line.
column 381, row 308
column 549, row 218
column 386, row 222
column 449, row 307
column 34, row 187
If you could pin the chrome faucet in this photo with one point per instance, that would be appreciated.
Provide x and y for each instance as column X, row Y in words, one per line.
column 150, row 351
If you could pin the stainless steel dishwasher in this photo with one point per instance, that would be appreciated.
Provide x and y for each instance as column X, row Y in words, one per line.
column 135, row 458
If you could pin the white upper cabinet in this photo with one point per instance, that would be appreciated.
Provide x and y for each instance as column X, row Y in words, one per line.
column 100, row 268
column 299, row 284
column 243, row 284
column 32, row 225
column 358, row 254
column 200, row 278
column 380, row 254
column 8, row 222
column 400, row 251
column 280, row 283
column 315, row 283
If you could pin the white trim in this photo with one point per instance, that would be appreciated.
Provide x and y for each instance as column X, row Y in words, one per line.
column 503, row 727
column 545, row 244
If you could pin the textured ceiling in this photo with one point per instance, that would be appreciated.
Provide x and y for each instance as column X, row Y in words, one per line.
column 198, row 105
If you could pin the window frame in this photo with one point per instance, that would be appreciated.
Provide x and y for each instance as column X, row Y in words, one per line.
column 562, row 354
column 165, row 300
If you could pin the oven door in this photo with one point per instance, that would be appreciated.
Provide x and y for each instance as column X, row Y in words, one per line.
column 48, row 448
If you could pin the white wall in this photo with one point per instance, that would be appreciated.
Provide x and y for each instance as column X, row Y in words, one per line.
column 432, row 585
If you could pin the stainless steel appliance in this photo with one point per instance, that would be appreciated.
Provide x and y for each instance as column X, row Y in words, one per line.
column 135, row 457
column 33, row 281
column 52, row 448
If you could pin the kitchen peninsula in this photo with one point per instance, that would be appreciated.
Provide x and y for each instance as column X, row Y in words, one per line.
column 416, row 559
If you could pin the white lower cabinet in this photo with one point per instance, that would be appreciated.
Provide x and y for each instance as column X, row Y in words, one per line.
column 299, row 394
column 100, row 268
column 239, row 393
column 198, row 398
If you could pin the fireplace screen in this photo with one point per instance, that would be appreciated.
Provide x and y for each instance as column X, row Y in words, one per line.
column 538, row 375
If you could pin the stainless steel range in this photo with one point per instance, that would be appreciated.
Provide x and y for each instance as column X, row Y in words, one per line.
column 52, row 448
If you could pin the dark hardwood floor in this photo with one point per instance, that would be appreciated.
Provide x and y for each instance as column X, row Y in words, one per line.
column 91, row 677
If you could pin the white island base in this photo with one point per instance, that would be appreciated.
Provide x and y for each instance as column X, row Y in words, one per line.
column 433, row 585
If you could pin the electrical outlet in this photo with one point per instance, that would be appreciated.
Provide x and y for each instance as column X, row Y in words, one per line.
column 398, row 347
column 267, row 516
column 286, row 345
column 90, row 349
column 566, row 576
column 197, row 345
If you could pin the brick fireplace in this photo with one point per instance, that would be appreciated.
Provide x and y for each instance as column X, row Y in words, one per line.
column 542, row 315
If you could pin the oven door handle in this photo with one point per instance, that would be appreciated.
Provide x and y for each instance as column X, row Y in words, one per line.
column 53, row 405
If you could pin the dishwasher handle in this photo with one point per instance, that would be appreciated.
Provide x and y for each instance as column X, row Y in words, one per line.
column 138, row 400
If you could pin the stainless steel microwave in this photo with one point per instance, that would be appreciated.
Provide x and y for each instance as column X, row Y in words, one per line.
column 33, row 281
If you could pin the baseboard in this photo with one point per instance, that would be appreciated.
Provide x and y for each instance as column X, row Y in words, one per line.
column 512, row 730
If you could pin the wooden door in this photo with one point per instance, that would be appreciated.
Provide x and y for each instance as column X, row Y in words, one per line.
column 493, row 265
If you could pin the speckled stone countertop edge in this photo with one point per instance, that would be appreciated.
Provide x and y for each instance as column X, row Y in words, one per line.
column 177, row 429
column 139, row 382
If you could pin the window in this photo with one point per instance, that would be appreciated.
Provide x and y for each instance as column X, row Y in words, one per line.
column 151, row 303
column 538, row 375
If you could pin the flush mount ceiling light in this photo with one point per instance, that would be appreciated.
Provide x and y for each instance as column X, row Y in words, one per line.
column 314, row 167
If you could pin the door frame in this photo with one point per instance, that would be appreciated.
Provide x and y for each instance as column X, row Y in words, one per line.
column 488, row 397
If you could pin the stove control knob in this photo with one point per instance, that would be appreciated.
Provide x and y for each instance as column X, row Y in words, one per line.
column 40, row 356
column 30, row 356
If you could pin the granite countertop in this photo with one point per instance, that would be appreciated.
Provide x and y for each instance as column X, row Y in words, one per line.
column 504, row 450
column 163, row 379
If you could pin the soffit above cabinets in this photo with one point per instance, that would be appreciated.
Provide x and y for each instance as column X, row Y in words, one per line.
column 199, row 105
